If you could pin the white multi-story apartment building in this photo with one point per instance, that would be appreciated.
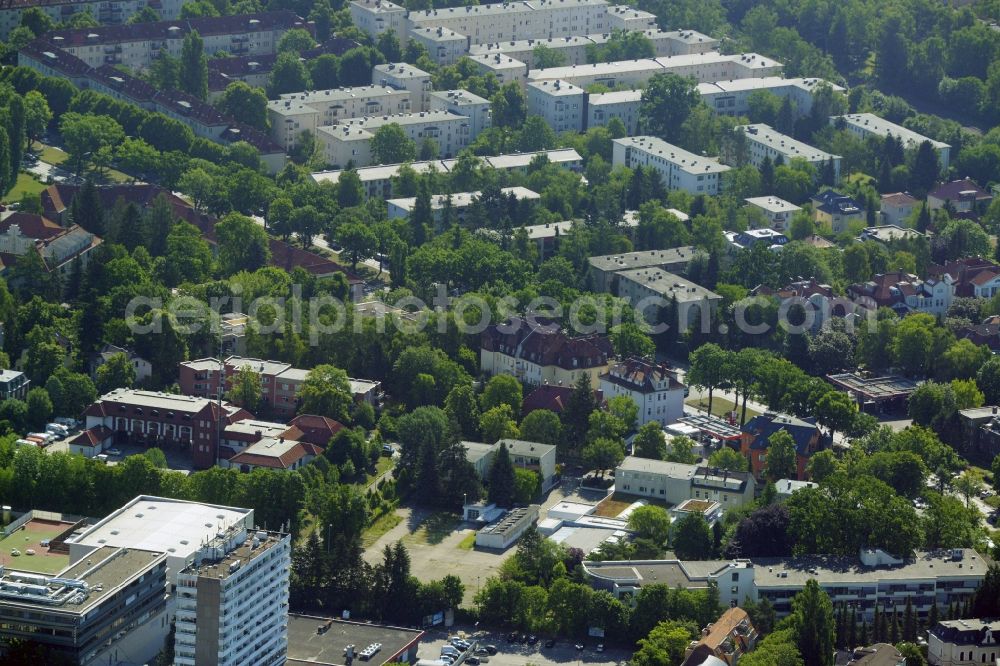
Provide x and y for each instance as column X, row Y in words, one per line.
column 732, row 98
column 679, row 169
column 402, row 76
column 574, row 49
column 232, row 601
column 868, row 124
column 971, row 642
column 777, row 211
column 105, row 12
column 295, row 113
column 675, row 483
column 350, row 141
column 654, row 291
column 561, row 104
column 621, row 104
column 463, row 103
column 702, row 67
column 520, row 20
column 378, row 180
column 138, row 45
column 506, row 69
column 444, row 46
column 378, row 16
column 460, row 202
column 764, row 142
column 872, row 579
column 653, row 387
column 623, row 17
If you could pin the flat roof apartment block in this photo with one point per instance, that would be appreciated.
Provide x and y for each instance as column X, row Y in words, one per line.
column 653, row 291
column 295, row 113
column 350, row 141
column 868, row 124
column 764, row 142
column 678, row 169
column 560, row 103
column 603, row 268
column 107, row 608
column 232, row 602
column 732, row 97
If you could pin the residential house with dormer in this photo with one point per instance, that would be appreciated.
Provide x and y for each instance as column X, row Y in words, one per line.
column 653, row 387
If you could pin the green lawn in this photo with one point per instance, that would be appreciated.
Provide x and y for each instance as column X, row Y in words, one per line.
column 720, row 406
column 42, row 561
column 469, row 542
column 993, row 501
column 26, row 184
column 377, row 530
column 383, row 465
column 433, row 530
column 50, row 154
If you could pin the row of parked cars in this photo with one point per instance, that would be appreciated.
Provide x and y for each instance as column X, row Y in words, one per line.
column 58, row 429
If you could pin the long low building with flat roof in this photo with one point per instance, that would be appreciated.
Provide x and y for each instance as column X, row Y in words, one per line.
column 765, row 142
column 349, row 142
column 732, row 97
column 654, row 291
column 868, row 124
column 702, row 67
column 378, row 180
column 678, row 168
column 320, row 641
column 460, row 202
column 871, row 579
column 602, row 268
column 295, row 113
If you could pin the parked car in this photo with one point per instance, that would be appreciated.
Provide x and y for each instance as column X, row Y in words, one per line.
column 600, row 647
column 550, row 643
column 532, row 640
column 101, row 458
column 66, row 421
column 114, row 452
column 492, row 649
column 56, row 429
column 460, row 644
column 472, row 661
column 512, row 637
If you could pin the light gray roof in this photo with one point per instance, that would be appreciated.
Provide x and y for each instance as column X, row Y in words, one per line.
column 661, row 467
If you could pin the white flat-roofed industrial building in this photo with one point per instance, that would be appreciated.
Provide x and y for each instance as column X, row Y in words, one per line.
column 403, row 76
column 732, row 98
column 350, row 141
column 175, row 527
column 560, row 103
column 678, row 169
column 377, row 180
column 702, row 67
column 295, row 113
column 765, row 142
column 460, row 202
column 463, row 103
column 506, row 531
column 868, row 124
column 239, row 573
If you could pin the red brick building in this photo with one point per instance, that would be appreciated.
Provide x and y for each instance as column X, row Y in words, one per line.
column 754, row 441
column 164, row 420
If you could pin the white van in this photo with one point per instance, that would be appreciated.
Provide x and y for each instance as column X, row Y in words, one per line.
column 66, row 422
column 101, row 458
column 57, row 430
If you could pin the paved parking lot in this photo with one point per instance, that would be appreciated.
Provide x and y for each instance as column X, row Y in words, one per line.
column 516, row 654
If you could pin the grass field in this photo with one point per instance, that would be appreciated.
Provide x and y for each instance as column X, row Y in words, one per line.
column 720, row 406
column 22, row 540
column 50, row 154
column 26, row 184
column 383, row 465
column 612, row 506
column 469, row 542
column 375, row 531
column 433, row 530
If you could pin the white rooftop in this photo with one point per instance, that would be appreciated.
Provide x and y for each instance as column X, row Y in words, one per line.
column 170, row 526
column 399, row 70
column 772, row 204
column 678, row 157
column 556, row 87
column 659, row 467
column 497, row 61
column 763, row 83
column 615, row 97
column 869, row 122
column 431, row 15
column 459, row 97
column 461, row 199
column 784, row 144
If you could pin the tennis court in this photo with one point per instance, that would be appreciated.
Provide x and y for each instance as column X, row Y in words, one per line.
column 29, row 537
